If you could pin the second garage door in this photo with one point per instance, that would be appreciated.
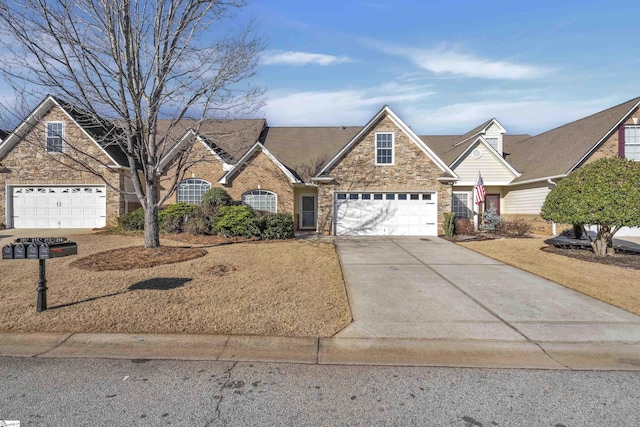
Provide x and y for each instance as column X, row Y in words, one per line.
column 59, row 207
column 392, row 214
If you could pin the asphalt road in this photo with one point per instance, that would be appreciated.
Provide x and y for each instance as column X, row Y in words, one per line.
column 77, row 392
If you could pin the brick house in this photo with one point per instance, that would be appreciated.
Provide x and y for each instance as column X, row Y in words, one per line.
column 380, row 178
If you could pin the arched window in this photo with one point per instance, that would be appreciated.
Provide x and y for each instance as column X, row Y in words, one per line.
column 260, row 200
column 191, row 190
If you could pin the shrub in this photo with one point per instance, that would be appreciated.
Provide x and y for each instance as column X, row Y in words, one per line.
column 277, row 227
column 172, row 218
column 132, row 221
column 200, row 221
column 464, row 227
column 518, row 227
column 216, row 198
column 491, row 219
column 449, row 223
column 236, row 221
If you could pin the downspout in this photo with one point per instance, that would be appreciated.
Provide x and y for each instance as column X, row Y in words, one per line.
column 553, row 224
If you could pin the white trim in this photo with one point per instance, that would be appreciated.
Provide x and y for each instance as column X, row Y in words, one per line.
column 46, row 136
column 493, row 152
column 315, row 211
column 260, row 189
column 393, row 149
column 248, row 154
column 483, row 131
column 606, row 135
column 531, row 181
column 191, row 179
column 403, row 127
column 45, row 105
column 170, row 154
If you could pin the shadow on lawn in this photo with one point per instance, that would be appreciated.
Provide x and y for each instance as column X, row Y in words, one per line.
column 157, row 284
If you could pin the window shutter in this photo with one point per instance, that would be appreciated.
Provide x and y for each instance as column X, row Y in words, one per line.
column 621, row 142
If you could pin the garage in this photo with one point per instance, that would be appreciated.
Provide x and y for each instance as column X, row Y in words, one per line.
column 385, row 214
column 58, row 206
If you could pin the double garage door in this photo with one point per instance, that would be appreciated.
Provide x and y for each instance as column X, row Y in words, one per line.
column 59, row 206
column 380, row 214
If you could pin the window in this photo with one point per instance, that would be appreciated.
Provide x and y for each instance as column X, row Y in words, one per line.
column 493, row 142
column 460, row 205
column 390, row 196
column 341, row 196
column 366, row 196
column 384, row 148
column 54, row 137
column 261, row 200
column 632, row 142
column 353, row 196
column 377, row 197
column 191, row 190
column 402, row 197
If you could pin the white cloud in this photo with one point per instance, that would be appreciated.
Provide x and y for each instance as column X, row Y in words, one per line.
column 452, row 62
column 342, row 107
column 301, row 58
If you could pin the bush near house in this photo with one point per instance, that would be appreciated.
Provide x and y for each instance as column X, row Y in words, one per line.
column 464, row 227
column 517, row 227
column 132, row 221
column 173, row 217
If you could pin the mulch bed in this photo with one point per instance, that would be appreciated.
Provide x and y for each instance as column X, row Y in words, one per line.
column 204, row 239
column 137, row 257
column 621, row 258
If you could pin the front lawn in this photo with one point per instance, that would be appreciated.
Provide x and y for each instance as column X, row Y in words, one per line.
column 285, row 288
column 614, row 285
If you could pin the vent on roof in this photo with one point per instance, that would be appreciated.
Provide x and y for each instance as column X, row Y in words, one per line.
column 343, row 127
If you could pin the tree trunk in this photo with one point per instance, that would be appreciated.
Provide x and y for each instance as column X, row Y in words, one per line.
column 603, row 243
column 151, row 226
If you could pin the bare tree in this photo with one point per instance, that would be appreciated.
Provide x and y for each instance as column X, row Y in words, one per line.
column 127, row 65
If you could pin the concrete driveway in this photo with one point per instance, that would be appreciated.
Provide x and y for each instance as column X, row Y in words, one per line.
column 411, row 287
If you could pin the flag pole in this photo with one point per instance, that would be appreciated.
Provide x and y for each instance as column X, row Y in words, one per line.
column 475, row 205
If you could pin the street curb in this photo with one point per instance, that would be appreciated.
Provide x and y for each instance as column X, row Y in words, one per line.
column 326, row 351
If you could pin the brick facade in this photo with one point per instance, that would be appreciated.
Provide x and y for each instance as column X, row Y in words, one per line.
column 28, row 163
column 412, row 171
column 610, row 147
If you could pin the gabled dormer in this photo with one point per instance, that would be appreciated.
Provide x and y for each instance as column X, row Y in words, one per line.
column 493, row 135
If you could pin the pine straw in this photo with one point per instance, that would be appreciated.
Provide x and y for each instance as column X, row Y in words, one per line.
column 289, row 288
column 614, row 285
column 136, row 257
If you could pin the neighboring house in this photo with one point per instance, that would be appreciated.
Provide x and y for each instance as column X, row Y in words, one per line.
column 380, row 178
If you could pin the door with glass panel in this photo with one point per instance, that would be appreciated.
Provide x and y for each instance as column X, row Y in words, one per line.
column 308, row 211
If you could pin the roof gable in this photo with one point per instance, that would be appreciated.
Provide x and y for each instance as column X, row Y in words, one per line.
column 89, row 127
column 258, row 147
column 559, row 151
column 190, row 135
column 480, row 156
column 386, row 111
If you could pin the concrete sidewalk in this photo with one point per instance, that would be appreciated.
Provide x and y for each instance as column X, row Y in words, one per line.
column 327, row 351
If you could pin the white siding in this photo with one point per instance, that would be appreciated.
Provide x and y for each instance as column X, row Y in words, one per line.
column 493, row 170
column 527, row 199
column 495, row 132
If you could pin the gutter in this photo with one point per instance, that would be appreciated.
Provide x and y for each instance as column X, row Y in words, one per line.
column 531, row 181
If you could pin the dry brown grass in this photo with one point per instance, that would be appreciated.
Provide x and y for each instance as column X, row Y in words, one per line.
column 290, row 288
column 614, row 285
column 136, row 257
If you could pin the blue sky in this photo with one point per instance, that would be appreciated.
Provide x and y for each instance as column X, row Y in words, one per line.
column 446, row 66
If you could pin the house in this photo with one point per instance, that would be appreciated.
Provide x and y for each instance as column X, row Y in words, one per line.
column 380, row 178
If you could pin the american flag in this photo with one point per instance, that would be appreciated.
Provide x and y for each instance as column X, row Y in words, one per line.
column 479, row 190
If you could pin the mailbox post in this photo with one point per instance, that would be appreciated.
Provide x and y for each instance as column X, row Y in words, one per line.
column 42, row 249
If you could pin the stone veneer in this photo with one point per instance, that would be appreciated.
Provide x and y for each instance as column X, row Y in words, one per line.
column 412, row 171
column 28, row 163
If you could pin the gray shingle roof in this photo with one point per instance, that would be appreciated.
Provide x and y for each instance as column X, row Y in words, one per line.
column 306, row 149
column 557, row 151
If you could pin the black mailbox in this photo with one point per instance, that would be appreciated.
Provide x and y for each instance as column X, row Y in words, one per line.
column 57, row 250
column 19, row 251
column 32, row 251
column 7, row 252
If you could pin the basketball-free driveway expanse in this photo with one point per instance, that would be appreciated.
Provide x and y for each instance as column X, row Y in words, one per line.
column 429, row 288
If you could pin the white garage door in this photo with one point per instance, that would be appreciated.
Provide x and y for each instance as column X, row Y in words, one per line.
column 59, row 207
column 628, row 232
column 392, row 214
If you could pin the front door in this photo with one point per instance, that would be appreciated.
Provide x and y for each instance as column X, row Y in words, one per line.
column 492, row 200
column 308, row 211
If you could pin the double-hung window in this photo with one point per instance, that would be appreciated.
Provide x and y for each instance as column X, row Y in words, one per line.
column 55, row 137
column 461, row 205
column 384, row 148
column 632, row 142
column 261, row 200
column 191, row 190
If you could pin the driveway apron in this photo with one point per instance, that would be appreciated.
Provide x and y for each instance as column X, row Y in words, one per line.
column 412, row 287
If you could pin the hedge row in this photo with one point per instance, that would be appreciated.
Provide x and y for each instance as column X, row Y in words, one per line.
column 216, row 215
